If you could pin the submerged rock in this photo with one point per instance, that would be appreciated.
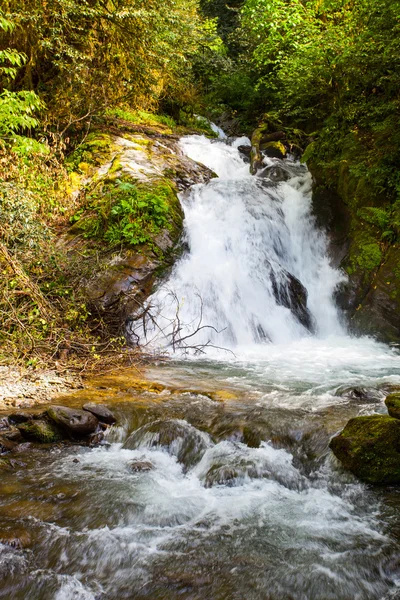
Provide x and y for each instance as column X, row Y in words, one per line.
column 393, row 405
column 141, row 466
column 361, row 394
column 369, row 447
column 275, row 173
column 180, row 438
column 77, row 423
column 101, row 412
column 40, row 431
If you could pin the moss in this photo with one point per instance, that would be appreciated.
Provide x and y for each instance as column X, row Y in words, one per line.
column 393, row 405
column 370, row 256
column 95, row 151
column 273, row 149
column 40, row 431
column 369, row 447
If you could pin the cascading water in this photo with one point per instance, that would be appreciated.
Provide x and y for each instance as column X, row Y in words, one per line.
column 257, row 268
column 220, row 486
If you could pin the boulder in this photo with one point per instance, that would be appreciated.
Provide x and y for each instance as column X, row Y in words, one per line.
column 100, row 411
column 292, row 294
column 369, row 447
column 77, row 423
column 43, row 432
column 393, row 405
column 273, row 149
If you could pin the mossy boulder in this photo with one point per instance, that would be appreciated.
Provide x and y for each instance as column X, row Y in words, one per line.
column 41, row 431
column 369, row 447
column 393, row 405
column 273, row 149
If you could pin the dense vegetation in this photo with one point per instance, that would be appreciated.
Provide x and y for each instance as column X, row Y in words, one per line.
column 329, row 68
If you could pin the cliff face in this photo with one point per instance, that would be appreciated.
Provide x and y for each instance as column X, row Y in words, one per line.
column 371, row 297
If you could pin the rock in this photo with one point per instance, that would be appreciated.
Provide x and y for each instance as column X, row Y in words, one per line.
column 77, row 423
column 393, row 405
column 292, row 294
column 273, row 150
column 369, row 447
column 361, row 394
column 40, row 431
column 20, row 417
column 275, row 136
column 245, row 152
column 141, row 466
column 101, row 412
column 275, row 173
column 14, row 435
column 178, row 437
column 6, row 445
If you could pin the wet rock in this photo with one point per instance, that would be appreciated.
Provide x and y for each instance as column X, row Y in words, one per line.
column 40, row 431
column 141, row 466
column 221, row 475
column 369, row 447
column 178, row 437
column 393, row 405
column 20, row 417
column 292, row 294
column 100, row 411
column 13, row 435
column 361, row 394
column 6, row 445
column 245, row 152
column 275, row 173
column 96, row 438
column 273, row 150
column 77, row 423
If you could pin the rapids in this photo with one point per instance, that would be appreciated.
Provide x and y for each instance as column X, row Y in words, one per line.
column 218, row 483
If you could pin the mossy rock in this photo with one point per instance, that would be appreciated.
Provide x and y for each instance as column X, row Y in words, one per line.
column 393, row 405
column 273, row 149
column 369, row 447
column 40, row 431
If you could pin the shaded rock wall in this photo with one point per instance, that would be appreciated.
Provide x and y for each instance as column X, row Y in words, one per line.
column 371, row 297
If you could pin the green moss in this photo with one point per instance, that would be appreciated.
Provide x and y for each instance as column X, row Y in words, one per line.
column 141, row 117
column 369, row 447
column 369, row 257
column 393, row 405
column 95, row 151
column 40, row 431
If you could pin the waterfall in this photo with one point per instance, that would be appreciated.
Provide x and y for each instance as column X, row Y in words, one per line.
column 256, row 269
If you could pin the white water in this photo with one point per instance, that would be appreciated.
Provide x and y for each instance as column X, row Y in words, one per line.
column 243, row 232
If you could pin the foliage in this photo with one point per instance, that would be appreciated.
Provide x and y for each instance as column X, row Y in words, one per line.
column 120, row 212
column 86, row 56
column 332, row 67
column 17, row 109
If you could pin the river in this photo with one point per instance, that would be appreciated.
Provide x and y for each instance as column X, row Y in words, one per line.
column 218, row 483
